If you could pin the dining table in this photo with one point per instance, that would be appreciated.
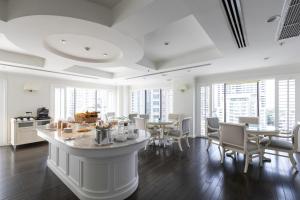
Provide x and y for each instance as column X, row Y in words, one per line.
column 263, row 131
column 161, row 124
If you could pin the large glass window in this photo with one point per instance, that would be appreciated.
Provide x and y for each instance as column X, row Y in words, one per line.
column 204, row 108
column 81, row 100
column 241, row 101
column 267, row 102
column 218, row 109
column 85, row 100
column 157, row 103
column 234, row 100
column 138, row 101
column 286, row 104
column 59, row 108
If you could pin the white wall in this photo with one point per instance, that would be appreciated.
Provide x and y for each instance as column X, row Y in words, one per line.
column 20, row 101
column 3, row 125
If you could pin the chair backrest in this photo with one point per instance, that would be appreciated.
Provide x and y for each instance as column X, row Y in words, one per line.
column 140, row 123
column 173, row 117
column 296, row 130
column 144, row 116
column 234, row 135
column 110, row 115
column 249, row 120
column 132, row 116
column 212, row 122
column 186, row 126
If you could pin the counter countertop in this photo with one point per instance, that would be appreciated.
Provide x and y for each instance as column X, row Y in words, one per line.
column 86, row 140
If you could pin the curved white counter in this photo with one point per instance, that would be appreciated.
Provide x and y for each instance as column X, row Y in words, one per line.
column 92, row 171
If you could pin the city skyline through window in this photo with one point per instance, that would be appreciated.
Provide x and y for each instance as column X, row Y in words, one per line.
column 157, row 103
column 229, row 101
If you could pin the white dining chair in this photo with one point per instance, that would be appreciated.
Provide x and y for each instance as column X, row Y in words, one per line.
column 110, row 116
column 235, row 138
column 212, row 130
column 185, row 129
column 132, row 116
column 141, row 124
column 286, row 142
column 175, row 118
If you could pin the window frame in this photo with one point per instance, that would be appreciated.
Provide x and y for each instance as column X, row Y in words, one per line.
column 145, row 99
column 64, row 88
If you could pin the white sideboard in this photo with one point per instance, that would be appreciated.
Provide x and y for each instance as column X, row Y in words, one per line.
column 24, row 132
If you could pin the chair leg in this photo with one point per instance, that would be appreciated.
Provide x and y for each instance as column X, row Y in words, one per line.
column 246, row 163
column 209, row 142
column 179, row 144
column 293, row 161
column 222, row 156
column 187, row 141
column 219, row 147
column 261, row 159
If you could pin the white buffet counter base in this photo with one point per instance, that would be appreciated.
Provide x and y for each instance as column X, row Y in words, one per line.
column 92, row 171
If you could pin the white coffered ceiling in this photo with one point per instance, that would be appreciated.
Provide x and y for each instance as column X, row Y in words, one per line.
column 114, row 40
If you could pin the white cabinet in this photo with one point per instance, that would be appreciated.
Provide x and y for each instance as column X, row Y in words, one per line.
column 24, row 132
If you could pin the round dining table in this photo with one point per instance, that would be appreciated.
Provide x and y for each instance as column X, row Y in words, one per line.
column 265, row 131
column 161, row 124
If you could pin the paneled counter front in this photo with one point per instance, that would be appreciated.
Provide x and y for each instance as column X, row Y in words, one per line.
column 92, row 171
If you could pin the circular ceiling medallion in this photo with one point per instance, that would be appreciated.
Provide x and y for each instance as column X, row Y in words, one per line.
column 83, row 48
column 67, row 41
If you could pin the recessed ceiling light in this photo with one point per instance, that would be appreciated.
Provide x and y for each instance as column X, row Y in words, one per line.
column 105, row 54
column 166, row 43
column 273, row 18
column 281, row 43
column 87, row 48
column 63, row 41
column 266, row 58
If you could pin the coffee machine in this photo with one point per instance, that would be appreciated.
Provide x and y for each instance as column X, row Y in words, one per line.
column 42, row 113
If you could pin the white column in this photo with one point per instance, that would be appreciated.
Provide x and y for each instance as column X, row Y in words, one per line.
column 3, row 114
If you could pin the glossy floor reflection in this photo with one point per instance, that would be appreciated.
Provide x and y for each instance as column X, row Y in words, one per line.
column 164, row 174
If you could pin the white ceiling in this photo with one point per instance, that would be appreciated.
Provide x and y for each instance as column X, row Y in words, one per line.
column 183, row 36
column 133, row 32
column 107, row 3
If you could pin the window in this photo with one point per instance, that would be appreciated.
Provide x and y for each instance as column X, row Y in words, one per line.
column 218, row 109
column 70, row 103
column 157, row 103
column 104, row 102
column 231, row 101
column 286, row 104
column 166, row 103
column 85, row 100
column 138, row 101
column 241, row 101
column 267, row 102
column 204, row 108
column 59, row 107
column 81, row 100
column 155, row 109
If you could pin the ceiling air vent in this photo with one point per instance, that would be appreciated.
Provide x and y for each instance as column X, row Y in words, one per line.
column 289, row 25
column 235, row 18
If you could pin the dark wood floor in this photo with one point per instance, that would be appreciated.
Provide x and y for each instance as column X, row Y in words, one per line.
column 164, row 174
